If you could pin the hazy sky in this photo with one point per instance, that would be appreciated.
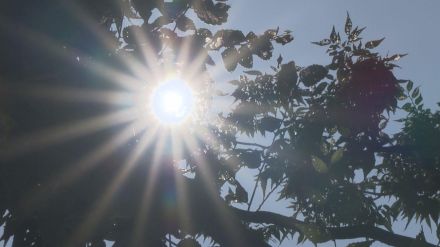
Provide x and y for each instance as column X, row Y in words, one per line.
column 409, row 27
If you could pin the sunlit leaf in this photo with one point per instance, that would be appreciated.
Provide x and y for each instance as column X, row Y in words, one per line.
column 319, row 165
column 337, row 156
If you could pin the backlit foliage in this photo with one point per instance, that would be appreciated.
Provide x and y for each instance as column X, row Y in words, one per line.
column 103, row 174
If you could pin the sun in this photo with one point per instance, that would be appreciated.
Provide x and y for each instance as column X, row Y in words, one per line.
column 172, row 101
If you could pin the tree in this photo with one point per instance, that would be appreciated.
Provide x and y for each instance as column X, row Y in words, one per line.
column 329, row 156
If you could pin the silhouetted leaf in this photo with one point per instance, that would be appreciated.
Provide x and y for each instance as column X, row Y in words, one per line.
column 312, row 74
column 246, row 59
column 333, row 36
column 409, row 86
column 253, row 72
column 361, row 244
column 209, row 12
column 279, row 60
column 230, row 58
column 284, row 39
column 395, row 57
column 185, row 24
column 407, row 107
column 323, row 42
column 418, row 100
column 320, row 88
column 348, row 24
column 250, row 158
column 374, row 43
column 241, row 194
column 270, row 123
column 209, row 60
column 416, row 92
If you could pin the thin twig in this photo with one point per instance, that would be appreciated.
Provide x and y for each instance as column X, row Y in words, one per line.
column 170, row 242
column 251, row 144
column 268, row 194
column 258, row 177
column 255, row 187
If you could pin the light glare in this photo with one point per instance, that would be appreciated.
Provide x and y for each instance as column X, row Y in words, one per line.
column 172, row 101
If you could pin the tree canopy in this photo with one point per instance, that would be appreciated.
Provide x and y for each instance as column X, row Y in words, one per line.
column 79, row 166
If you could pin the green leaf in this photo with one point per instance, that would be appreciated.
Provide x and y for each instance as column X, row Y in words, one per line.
column 407, row 107
column 374, row 43
column 415, row 93
column 348, row 24
column 337, row 156
column 319, row 165
column 409, row 85
column 419, row 100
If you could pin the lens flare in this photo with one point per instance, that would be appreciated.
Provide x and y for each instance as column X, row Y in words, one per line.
column 172, row 101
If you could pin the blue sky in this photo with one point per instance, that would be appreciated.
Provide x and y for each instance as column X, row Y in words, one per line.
column 409, row 27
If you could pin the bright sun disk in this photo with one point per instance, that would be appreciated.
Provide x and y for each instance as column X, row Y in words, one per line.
column 172, row 101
